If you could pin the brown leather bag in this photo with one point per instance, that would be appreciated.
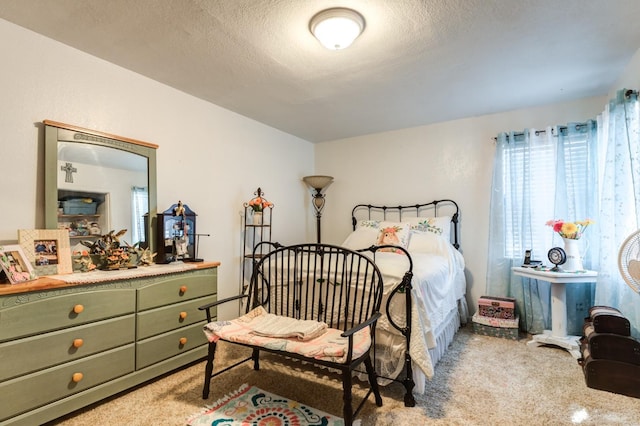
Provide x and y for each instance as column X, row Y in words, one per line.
column 610, row 356
column 606, row 319
column 612, row 376
column 611, row 346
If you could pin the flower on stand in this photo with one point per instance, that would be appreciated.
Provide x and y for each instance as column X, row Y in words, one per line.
column 571, row 230
column 258, row 204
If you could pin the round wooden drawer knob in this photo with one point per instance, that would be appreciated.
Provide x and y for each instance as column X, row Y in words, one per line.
column 77, row 343
column 183, row 341
column 183, row 289
column 78, row 309
column 77, row 377
column 183, row 315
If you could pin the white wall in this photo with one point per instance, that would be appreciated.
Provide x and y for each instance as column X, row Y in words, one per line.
column 208, row 157
column 630, row 78
column 446, row 160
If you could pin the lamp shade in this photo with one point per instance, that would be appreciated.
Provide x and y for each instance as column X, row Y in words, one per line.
column 336, row 28
column 318, row 182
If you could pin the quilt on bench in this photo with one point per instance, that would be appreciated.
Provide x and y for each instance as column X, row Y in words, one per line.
column 320, row 342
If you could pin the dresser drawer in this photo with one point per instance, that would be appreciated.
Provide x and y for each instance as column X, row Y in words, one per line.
column 34, row 390
column 155, row 349
column 177, row 288
column 42, row 315
column 30, row 354
column 171, row 317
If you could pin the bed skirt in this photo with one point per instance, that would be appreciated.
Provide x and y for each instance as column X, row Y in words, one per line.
column 444, row 336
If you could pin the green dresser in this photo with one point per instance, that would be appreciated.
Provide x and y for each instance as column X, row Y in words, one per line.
column 66, row 345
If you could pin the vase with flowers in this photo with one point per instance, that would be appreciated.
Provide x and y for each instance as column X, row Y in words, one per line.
column 571, row 233
column 258, row 204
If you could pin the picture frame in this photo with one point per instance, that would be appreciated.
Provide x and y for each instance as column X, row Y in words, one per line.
column 47, row 250
column 15, row 264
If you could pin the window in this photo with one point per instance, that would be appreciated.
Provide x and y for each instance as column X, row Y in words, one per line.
column 139, row 208
column 544, row 175
column 540, row 176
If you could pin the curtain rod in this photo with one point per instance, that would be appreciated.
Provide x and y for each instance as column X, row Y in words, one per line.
column 627, row 94
column 538, row 132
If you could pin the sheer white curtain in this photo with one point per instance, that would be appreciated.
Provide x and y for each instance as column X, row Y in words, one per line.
column 619, row 197
column 540, row 175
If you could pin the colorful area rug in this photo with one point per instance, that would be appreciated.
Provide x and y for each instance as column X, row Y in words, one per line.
column 250, row 405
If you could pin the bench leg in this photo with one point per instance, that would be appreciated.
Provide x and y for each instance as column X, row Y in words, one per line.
column 373, row 381
column 256, row 359
column 208, row 370
column 347, row 409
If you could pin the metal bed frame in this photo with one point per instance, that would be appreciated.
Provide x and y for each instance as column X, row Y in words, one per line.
column 396, row 213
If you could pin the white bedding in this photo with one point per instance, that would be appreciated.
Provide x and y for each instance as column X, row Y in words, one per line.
column 438, row 282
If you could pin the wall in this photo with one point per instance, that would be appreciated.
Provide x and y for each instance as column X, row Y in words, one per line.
column 208, row 157
column 446, row 160
column 630, row 78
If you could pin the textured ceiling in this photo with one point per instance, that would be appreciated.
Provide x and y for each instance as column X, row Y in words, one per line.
column 417, row 62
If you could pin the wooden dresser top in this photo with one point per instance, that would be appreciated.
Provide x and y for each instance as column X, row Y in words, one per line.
column 58, row 281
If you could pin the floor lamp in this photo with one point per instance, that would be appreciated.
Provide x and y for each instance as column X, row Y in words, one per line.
column 318, row 184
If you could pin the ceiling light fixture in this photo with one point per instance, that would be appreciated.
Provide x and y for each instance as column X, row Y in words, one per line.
column 336, row 28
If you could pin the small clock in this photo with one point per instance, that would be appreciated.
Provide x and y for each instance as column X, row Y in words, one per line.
column 557, row 256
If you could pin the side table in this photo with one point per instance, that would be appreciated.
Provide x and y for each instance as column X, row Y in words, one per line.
column 558, row 334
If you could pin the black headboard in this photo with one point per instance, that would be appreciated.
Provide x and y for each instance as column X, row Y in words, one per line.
column 396, row 213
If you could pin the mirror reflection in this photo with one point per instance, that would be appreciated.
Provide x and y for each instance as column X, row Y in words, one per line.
column 96, row 183
column 101, row 189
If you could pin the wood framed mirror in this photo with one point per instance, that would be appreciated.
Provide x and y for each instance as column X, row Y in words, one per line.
column 97, row 182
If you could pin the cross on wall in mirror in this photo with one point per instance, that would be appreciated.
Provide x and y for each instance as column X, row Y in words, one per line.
column 70, row 170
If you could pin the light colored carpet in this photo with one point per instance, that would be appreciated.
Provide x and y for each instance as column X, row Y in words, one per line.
column 481, row 380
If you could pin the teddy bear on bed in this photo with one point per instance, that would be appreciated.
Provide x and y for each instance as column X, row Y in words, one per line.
column 389, row 236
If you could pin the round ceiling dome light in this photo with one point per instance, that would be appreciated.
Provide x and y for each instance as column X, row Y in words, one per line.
column 336, row 28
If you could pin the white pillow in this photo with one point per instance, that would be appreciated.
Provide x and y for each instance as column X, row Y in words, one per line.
column 428, row 242
column 440, row 225
column 362, row 237
column 373, row 232
column 393, row 233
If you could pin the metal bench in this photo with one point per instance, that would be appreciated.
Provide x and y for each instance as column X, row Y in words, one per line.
column 313, row 284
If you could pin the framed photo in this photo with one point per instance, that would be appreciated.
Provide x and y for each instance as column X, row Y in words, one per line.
column 15, row 264
column 48, row 250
